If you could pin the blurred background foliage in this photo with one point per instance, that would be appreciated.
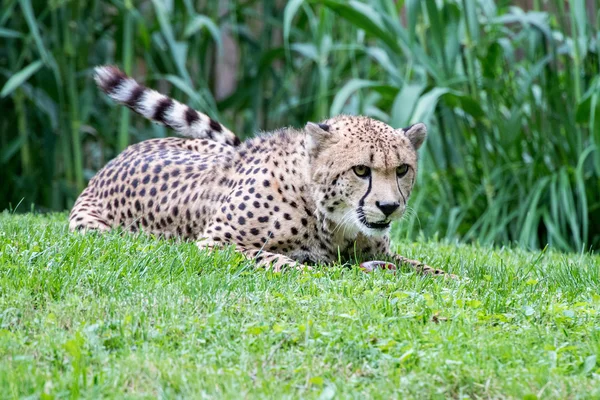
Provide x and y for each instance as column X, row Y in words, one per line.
column 510, row 92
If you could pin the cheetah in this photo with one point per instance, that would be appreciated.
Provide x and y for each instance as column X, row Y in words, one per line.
column 294, row 197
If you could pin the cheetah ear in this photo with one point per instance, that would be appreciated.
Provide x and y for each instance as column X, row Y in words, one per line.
column 416, row 134
column 318, row 135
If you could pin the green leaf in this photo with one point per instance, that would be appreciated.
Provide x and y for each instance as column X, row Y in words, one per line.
column 10, row 149
column 404, row 104
column 427, row 104
column 33, row 27
column 316, row 380
column 364, row 17
column 290, row 11
column 178, row 49
column 20, row 77
column 464, row 102
column 588, row 107
column 202, row 21
column 589, row 364
column 347, row 90
column 10, row 34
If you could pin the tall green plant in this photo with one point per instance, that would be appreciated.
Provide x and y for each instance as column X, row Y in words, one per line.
column 58, row 130
column 511, row 97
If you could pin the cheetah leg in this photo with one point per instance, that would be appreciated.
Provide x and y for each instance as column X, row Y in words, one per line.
column 86, row 215
column 89, row 223
column 263, row 259
column 274, row 261
column 420, row 266
column 372, row 248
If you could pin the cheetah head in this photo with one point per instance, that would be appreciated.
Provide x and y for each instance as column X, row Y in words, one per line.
column 363, row 171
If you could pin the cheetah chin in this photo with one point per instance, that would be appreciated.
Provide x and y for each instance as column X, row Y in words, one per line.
column 318, row 195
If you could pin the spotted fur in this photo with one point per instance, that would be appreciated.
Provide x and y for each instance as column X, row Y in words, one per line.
column 292, row 197
column 159, row 108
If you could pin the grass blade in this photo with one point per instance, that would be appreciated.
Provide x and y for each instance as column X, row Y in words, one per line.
column 20, row 77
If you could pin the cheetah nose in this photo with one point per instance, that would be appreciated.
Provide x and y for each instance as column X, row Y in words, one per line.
column 387, row 207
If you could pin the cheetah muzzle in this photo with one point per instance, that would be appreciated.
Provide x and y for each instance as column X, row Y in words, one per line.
column 287, row 198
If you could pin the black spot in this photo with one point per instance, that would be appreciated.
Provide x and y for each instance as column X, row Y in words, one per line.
column 263, row 219
column 287, row 216
column 161, row 109
column 294, row 231
column 254, row 231
column 215, row 126
column 241, row 220
column 136, row 95
column 191, row 116
column 115, row 80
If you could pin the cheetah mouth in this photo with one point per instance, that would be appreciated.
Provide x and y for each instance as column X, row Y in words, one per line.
column 377, row 225
column 381, row 225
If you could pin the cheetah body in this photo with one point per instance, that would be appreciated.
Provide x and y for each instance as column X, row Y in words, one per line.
column 291, row 197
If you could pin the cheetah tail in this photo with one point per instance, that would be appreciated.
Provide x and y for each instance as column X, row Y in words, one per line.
column 159, row 108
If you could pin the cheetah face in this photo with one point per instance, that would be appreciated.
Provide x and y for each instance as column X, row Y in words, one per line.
column 363, row 172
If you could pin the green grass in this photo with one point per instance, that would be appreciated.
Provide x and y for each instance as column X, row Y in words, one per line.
column 121, row 315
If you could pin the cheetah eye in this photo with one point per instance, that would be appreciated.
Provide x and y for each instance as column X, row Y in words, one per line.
column 362, row 171
column 401, row 170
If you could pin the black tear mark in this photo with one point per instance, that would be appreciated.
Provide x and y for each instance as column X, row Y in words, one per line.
column 361, row 202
